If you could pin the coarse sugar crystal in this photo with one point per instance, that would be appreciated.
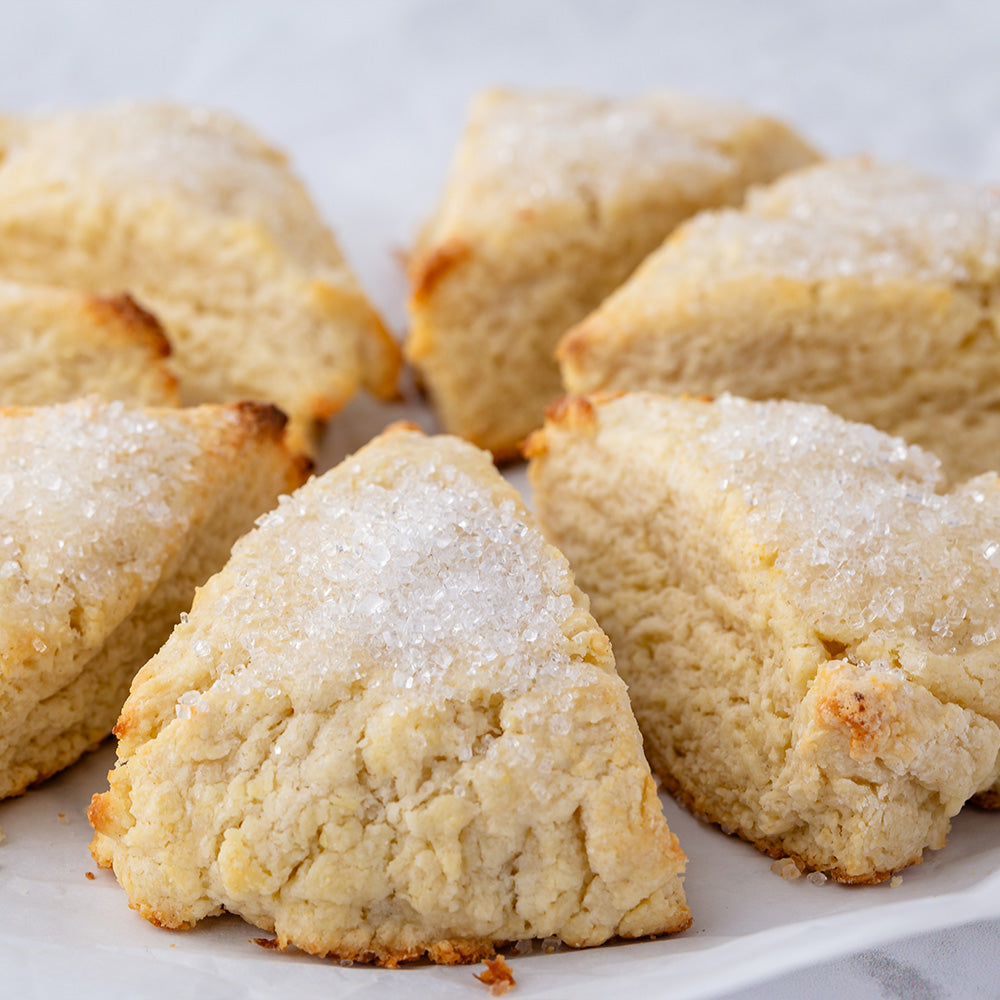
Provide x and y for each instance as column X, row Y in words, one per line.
column 426, row 574
column 84, row 484
column 860, row 525
column 849, row 219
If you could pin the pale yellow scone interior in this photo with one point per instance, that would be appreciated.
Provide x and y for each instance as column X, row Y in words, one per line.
column 806, row 620
column 57, row 345
column 869, row 288
column 110, row 517
column 552, row 201
column 390, row 728
column 206, row 225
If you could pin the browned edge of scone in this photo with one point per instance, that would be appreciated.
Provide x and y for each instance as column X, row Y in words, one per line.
column 439, row 952
column 270, row 421
column 427, row 268
column 445, row 952
column 575, row 412
column 124, row 309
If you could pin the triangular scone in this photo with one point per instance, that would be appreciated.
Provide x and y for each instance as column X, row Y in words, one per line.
column 388, row 728
column 808, row 628
column 110, row 517
column 871, row 289
column 553, row 199
column 57, row 345
column 206, row 225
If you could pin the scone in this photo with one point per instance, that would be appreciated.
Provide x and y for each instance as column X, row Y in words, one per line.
column 110, row 517
column 553, row 199
column 205, row 224
column 389, row 728
column 57, row 345
column 806, row 621
column 871, row 289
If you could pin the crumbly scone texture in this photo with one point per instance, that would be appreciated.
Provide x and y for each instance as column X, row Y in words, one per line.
column 208, row 227
column 872, row 289
column 806, row 620
column 57, row 345
column 552, row 201
column 110, row 517
column 390, row 728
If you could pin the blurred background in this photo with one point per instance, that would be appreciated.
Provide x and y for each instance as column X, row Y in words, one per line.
column 369, row 96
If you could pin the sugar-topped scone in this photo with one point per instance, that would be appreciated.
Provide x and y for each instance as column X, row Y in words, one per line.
column 806, row 621
column 56, row 345
column 871, row 289
column 110, row 517
column 207, row 226
column 389, row 728
column 553, row 199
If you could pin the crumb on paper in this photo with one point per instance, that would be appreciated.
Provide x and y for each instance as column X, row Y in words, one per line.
column 270, row 943
column 896, row 881
column 816, row 878
column 498, row 976
column 63, row 818
column 90, row 875
column 787, row 868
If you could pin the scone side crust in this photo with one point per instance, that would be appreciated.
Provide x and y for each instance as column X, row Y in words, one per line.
column 702, row 809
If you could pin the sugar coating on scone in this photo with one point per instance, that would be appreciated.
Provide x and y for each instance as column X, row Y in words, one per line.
column 552, row 200
column 867, row 287
column 206, row 224
column 390, row 728
column 110, row 516
column 805, row 618
column 57, row 345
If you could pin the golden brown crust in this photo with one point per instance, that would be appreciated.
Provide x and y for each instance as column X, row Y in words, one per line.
column 271, row 422
column 498, row 975
column 139, row 321
column 427, row 269
column 574, row 345
column 265, row 419
column 457, row 952
column 865, row 715
column 100, row 819
column 403, row 426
